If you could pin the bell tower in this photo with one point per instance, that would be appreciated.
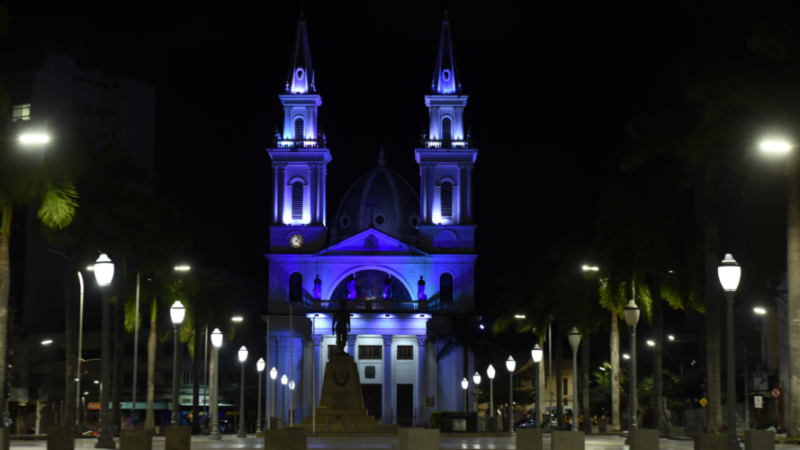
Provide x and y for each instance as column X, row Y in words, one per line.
column 299, row 160
column 446, row 160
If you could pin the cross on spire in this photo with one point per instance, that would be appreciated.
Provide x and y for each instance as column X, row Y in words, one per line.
column 371, row 205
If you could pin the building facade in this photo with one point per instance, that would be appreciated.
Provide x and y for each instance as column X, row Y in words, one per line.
column 399, row 261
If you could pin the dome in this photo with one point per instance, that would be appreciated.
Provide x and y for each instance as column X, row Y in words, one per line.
column 395, row 211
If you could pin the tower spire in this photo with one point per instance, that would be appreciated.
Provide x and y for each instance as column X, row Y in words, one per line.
column 301, row 73
column 446, row 79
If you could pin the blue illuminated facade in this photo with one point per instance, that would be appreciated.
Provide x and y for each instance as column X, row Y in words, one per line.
column 401, row 260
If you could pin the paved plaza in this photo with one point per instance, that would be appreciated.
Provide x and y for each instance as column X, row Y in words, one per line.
column 607, row 442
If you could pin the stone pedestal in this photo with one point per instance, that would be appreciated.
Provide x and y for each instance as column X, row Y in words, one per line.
column 567, row 440
column 178, row 438
column 418, row 439
column 530, row 439
column 293, row 438
column 4, row 435
column 60, row 438
column 643, row 439
column 710, row 441
column 136, row 440
column 759, row 439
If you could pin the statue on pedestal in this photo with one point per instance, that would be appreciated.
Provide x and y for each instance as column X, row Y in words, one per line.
column 317, row 288
column 351, row 288
column 387, row 284
column 421, row 289
column 341, row 326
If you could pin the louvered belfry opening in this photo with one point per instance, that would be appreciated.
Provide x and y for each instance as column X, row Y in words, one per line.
column 446, row 287
column 297, row 201
column 446, row 129
column 447, row 200
column 295, row 287
column 298, row 128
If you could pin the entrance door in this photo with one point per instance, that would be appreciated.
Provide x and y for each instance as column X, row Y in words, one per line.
column 405, row 405
column 373, row 399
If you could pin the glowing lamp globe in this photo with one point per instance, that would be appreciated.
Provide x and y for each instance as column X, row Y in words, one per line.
column 476, row 378
column 632, row 314
column 729, row 273
column 177, row 312
column 284, row 380
column 273, row 373
column 464, row 384
column 574, row 338
column 537, row 353
column 243, row 354
column 511, row 364
column 490, row 372
column 216, row 338
column 291, row 385
column 260, row 365
column 104, row 270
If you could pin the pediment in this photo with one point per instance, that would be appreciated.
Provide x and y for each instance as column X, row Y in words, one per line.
column 371, row 241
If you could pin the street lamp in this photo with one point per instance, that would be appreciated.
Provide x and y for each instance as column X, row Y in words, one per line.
column 177, row 312
column 477, row 380
column 575, row 342
column 38, row 138
column 104, row 274
column 291, row 404
column 490, row 372
column 216, row 341
column 242, row 431
column 729, row 275
column 760, row 311
column 632, row 318
column 284, row 380
column 273, row 375
column 536, row 354
column 260, row 366
column 510, row 365
column 464, row 386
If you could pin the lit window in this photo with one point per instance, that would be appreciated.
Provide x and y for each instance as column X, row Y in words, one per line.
column 447, row 199
column 446, row 136
column 369, row 352
column 21, row 112
column 297, row 201
column 298, row 128
column 295, row 287
column 446, row 287
column 405, row 352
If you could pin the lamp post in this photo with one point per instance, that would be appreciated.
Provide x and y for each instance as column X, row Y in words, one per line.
column 291, row 408
column 511, row 365
column 260, row 366
column 490, row 372
column 104, row 273
column 477, row 380
column 575, row 342
column 729, row 275
column 216, row 341
column 177, row 312
column 284, row 380
column 537, row 353
column 273, row 375
column 464, row 386
column 632, row 318
column 242, row 431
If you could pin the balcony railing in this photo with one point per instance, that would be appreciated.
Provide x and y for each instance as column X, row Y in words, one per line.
column 447, row 143
column 299, row 143
column 371, row 305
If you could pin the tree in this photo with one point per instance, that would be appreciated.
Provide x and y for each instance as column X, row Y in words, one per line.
column 464, row 333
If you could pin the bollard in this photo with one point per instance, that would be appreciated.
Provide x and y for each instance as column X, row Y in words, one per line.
column 567, row 440
column 710, row 441
column 178, row 438
column 136, row 440
column 60, row 438
column 760, row 439
column 417, row 439
column 530, row 439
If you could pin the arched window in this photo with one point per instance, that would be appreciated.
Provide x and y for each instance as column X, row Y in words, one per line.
column 295, row 287
column 447, row 199
column 298, row 128
column 297, row 201
column 446, row 287
column 446, row 126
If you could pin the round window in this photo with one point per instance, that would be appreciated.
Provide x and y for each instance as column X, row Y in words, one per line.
column 380, row 219
column 414, row 221
column 446, row 74
column 344, row 221
column 300, row 73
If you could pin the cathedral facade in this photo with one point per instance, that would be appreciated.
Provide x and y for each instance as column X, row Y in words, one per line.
column 399, row 261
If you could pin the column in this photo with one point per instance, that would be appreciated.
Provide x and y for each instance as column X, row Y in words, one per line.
column 281, row 191
column 422, row 375
column 388, row 408
column 288, row 131
column 275, row 194
column 458, row 125
column 462, row 188
column 311, row 115
column 317, row 218
column 423, row 192
column 469, row 192
column 312, row 193
column 323, row 204
column 431, row 184
column 317, row 370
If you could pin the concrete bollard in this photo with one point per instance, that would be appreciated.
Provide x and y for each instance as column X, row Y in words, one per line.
column 759, row 439
column 178, row 438
column 567, row 440
column 530, row 439
column 710, row 441
column 286, row 439
column 60, row 438
column 136, row 440
column 643, row 439
column 417, row 439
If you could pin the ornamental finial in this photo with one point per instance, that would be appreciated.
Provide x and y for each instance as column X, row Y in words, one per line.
column 381, row 160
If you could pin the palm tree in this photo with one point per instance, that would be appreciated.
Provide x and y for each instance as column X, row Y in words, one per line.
column 462, row 333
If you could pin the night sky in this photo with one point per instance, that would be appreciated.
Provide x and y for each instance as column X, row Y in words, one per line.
column 551, row 86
